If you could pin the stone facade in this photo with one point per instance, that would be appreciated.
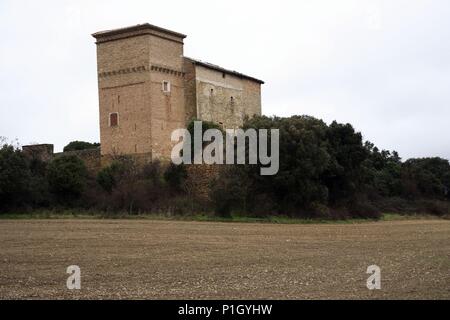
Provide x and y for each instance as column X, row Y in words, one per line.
column 147, row 84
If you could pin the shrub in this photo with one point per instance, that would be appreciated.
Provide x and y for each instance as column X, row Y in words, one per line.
column 134, row 188
column 80, row 145
column 40, row 195
column 153, row 172
column 67, row 177
column 435, row 207
column 108, row 177
column 227, row 193
column 14, row 177
column 175, row 176
column 364, row 209
column 320, row 211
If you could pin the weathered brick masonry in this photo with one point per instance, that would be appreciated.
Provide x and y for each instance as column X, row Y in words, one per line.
column 44, row 152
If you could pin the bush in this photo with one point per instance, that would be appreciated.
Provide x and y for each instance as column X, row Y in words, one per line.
column 40, row 195
column 67, row 177
column 14, row 177
column 326, row 171
column 434, row 207
column 363, row 209
column 320, row 211
column 175, row 176
column 395, row 204
column 228, row 193
column 108, row 177
column 134, row 188
column 80, row 145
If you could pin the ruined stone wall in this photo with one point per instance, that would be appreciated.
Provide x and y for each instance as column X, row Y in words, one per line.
column 199, row 179
column 197, row 184
column 90, row 157
column 43, row 152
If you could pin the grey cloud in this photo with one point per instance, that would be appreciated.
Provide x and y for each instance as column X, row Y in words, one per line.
column 381, row 65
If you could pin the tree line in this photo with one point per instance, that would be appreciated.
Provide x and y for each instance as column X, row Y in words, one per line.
column 326, row 171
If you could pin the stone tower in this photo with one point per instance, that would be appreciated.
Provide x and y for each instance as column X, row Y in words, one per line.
column 141, row 89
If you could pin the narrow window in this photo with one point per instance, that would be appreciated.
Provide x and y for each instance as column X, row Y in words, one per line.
column 223, row 75
column 113, row 119
column 166, row 86
column 212, row 91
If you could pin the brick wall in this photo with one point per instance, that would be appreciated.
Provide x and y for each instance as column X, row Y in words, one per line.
column 199, row 178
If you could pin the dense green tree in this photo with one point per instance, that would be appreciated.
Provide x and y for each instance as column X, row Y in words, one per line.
column 429, row 177
column 67, row 177
column 325, row 171
column 107, row 177
column 303, row 160
column 344, row 175
column 383, row 172
column 38, row 183
column 80, row 145
column 14, row 177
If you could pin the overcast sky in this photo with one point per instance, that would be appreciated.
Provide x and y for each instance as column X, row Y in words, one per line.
column 383, row 66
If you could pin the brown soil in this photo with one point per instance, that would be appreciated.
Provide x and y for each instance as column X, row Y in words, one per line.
column 130, row 259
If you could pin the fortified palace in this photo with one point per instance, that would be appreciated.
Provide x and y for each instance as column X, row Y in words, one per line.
column 148, row 88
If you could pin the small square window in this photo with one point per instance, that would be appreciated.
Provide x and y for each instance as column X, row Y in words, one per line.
column 113, row 119
column 166, row 86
